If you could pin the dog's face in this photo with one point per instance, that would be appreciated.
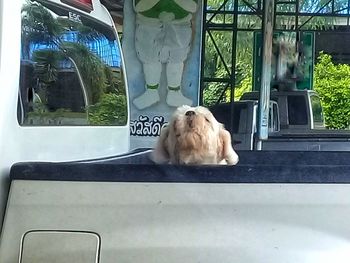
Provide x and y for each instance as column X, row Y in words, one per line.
column 194, row 124
column 194, row 136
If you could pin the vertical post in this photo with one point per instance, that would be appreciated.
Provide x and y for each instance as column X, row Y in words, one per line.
column 203, row 44
column 233, row 62
column 264, row 98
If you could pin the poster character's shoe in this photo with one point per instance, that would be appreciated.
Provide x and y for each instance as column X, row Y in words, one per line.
column 176, row 99
column 147, row 99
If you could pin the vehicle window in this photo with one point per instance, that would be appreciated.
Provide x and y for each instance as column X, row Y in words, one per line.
column 222, row 113
column 297, row 112
column 70, row 69
column 317, row 112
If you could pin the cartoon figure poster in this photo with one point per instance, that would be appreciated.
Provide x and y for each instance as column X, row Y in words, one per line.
column 161, row 43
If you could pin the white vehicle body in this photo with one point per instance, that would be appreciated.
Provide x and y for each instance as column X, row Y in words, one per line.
column 140, row 213
column 54, row 143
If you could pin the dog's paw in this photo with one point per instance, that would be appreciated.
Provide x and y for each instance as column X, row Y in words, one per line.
column 232, row 159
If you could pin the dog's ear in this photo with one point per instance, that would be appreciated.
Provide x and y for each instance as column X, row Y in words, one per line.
column 160, row 153
column 226, row 151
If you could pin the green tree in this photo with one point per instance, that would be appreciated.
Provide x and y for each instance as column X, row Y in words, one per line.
column 332, row 82
column 218, row 64
column 104, row 112
column 40, row 26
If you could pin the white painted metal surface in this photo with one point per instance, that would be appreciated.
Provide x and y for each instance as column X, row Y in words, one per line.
column 176, row 222
column 18, row 143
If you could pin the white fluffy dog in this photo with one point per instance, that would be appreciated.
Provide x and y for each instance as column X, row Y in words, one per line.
column 194, row 136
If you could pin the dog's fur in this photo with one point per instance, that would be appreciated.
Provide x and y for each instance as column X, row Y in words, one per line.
column 194, row 136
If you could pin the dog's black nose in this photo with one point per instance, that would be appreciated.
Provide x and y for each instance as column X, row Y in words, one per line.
column 190, row 113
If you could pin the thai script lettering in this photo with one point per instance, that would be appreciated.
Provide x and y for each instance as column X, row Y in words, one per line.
column 144, row 126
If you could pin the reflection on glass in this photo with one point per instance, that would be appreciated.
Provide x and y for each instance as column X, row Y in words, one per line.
column 70, row 70
column 315, row 6
column 214, row 4
column 249, row 5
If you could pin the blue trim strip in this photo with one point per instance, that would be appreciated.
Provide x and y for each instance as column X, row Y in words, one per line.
column 253, row 167
column 182, row 174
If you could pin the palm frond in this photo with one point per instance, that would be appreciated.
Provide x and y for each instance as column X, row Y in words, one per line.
column 46, row 64
column 36, row 18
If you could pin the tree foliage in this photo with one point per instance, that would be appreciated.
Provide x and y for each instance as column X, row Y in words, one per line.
column 110, row 110
column 332, row 82
column 91, row 66
column 218, row 64
column 40, row 26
